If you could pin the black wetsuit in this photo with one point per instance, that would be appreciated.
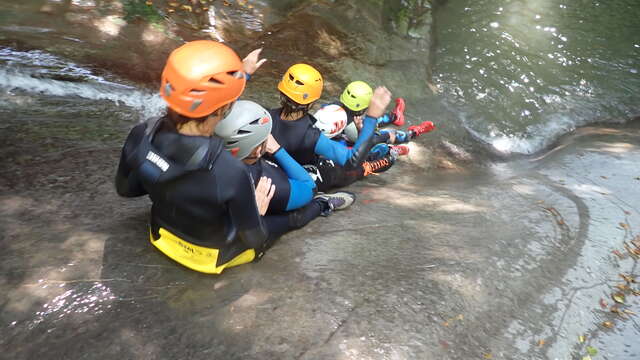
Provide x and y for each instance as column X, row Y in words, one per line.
column 340, row 166
column 200, row 193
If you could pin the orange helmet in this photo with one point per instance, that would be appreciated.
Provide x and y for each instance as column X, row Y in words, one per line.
column 200, row 77
column 302, row 84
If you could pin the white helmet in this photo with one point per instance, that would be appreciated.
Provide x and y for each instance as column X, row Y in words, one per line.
column 331, row 120
column 247, row 126
column 351, row 131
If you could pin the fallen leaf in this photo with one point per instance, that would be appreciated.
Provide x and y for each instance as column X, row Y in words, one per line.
column 581, row 339
column 488, row 356
column 627, row 212
column 186, row 7
column 604, row 177
column 618, row 254
column 592, row 351
column 608, row 324
column 149, row 3
column 624, row 226
column 446, row 323
column 603, row 304
column 622, row 287
column 629, row 312
column 615, row 310
column 630, row 250
column 628, row 278
column 173, row 4
column 587, row 357
column 444, row 344
column 636, row 242
column 170, row 10
column 635, row 292
column 460, row 317
column 541, row 342
column 618, row 297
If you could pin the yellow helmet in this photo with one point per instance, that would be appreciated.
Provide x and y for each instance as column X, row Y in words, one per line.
column 357, row 96
column 302, row 84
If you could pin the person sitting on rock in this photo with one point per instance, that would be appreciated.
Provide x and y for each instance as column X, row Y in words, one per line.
column 206, row 213
column 332, row 164
column 246, row 132
column 355, row 100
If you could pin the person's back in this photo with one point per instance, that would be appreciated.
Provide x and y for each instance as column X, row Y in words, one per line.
column 205, row 213
column 191, row 197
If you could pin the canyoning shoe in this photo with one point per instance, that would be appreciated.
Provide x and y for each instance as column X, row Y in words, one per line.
column 378, row 166
column 423, row 128
column 336, row 201
column 398, row 112
column 399, row 150
column 378, row 151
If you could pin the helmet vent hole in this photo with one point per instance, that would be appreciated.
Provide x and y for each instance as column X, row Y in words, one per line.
column 298, row 82
column 236, row 74
column 254, row 122
column 215, row 81
column 242, row 132
column 291, row 77
column 232, row 142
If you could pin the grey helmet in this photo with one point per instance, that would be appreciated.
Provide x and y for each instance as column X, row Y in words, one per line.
column 247, row 126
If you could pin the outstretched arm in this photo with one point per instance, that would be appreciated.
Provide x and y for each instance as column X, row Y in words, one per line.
column 351, row 158
column 300, row 183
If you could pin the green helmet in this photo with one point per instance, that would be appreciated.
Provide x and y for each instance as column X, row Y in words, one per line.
column 357, row 96
column 247, row 126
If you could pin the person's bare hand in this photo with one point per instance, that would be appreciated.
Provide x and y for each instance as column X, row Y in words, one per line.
column 264, row 193
column 392, row 136
column 272, row 145
column 379, row 102
column 252, row 62
column 358, row 121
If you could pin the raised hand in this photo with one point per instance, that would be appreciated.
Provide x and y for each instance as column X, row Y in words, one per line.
column 252, row 62
column 379, row 102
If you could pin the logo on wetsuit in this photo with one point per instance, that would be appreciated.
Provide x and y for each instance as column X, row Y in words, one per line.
column 158, row 161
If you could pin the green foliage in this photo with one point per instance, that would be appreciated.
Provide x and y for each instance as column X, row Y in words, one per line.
column 139, row 9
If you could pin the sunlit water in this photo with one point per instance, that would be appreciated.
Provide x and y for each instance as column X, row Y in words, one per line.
column 524, row 72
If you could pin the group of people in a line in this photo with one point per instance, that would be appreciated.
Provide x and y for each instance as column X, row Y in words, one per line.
column 227, row 177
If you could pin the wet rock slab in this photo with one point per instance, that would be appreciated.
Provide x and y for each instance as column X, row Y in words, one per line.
column 426, row 264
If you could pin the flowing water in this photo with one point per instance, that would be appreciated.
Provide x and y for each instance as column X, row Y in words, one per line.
column 522, row 73
column 508, row 261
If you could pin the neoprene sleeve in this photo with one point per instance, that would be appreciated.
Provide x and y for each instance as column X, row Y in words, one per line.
column 300, row 183
column 244, row 210
column 126, row 184
column 340, row 153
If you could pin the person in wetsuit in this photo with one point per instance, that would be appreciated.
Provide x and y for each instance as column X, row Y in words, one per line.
column 355, row 100
column 333, row 164
column 246, row 132
column 205, row 214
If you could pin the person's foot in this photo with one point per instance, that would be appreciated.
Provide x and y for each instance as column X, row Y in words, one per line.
column 336, row 201
column 399, row 150
column 378, row 151
column 379, row 166
column 398, row 112
column 423, row 128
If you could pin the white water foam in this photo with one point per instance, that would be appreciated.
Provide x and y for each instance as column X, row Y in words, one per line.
column 30, row 72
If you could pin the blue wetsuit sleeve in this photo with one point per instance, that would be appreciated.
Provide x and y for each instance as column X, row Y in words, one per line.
column 300, row 183
column 339, row 153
